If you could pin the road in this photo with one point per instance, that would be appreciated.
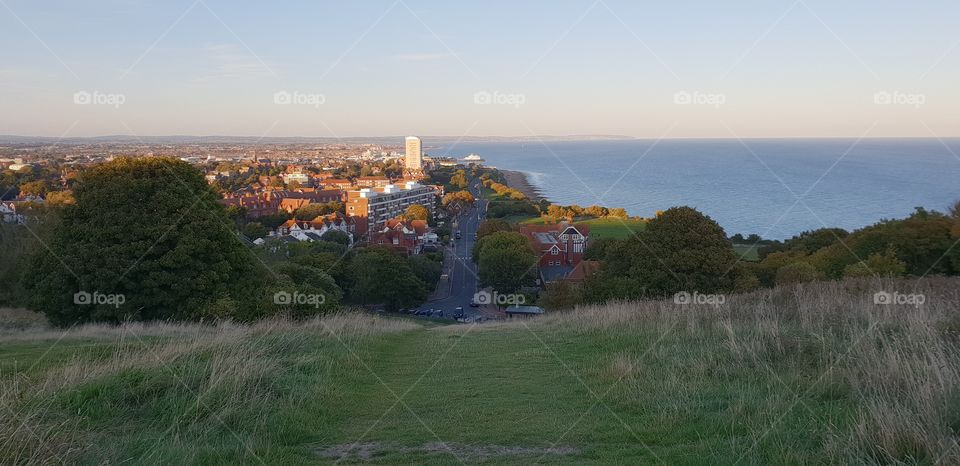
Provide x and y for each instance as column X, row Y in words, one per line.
column 462, row 272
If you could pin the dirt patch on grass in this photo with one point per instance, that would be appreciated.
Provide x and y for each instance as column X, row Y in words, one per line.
column 368, row 450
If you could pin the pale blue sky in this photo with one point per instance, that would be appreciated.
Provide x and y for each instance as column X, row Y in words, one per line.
column 779, row 68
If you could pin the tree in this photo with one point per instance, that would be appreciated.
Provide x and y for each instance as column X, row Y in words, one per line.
column 560, row 295
column 416, row 212
column 619, row 212
column 254, row 230
column 797, row 272
column 60, row 198
column 681, row 250
column 378, row 275
column 35, row 188
column 272, row 221
column 321, row 291
column 314, row 210
column 426, row 269
column 488, row 227
column 506, row 261
column 459, row 179
column 884, row 265
column 457, row 200
column 149, row 230
column 336, row 236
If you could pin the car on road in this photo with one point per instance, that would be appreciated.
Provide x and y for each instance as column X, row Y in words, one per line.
column 458, row 234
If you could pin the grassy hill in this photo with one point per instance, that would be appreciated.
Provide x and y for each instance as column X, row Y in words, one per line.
column 809, row 374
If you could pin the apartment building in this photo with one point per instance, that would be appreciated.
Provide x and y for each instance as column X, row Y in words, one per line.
column 373, row 207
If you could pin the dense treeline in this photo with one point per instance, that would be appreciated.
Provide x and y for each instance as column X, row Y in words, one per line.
column 683, row 250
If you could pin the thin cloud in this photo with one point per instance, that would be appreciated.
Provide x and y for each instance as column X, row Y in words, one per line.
column 230, row 61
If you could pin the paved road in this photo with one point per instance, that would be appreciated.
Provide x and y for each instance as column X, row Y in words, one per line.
column 463, row 273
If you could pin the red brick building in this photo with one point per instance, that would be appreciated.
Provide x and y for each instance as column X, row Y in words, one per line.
column 560, row 247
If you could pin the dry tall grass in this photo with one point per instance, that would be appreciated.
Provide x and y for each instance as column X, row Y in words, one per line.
column 226, row 368
column 899, row 363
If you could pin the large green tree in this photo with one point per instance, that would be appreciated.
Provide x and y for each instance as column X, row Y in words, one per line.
column 149, row 230
column 681, row 250
column 506, row 261
column 381, row 276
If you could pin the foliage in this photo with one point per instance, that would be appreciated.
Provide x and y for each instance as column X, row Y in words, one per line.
column 883, row 264
column 254, row 230
column 336, row 236
column 490, row 226
column 506, row 261
column 416, row 212
column 681, row 250
column 314, row 210
column 380, row 276
column 149, row 229
column 457, row 201
column 797, row 272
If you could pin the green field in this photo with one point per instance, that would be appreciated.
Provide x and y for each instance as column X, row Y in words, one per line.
column 623, row 384
column 599, row 227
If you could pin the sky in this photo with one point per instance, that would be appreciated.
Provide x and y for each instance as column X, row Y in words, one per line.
column 650, row 69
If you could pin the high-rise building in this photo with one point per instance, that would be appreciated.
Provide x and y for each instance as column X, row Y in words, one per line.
column 372, row 207
column 414, row 153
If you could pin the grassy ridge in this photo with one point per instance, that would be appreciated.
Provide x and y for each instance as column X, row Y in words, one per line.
column 809, row 374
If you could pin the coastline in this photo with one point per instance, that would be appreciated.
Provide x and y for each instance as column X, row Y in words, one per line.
column 520, row 182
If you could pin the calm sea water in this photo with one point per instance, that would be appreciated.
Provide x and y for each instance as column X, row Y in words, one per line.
column 775, row 188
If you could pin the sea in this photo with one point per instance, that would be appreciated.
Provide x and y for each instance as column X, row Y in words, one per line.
column 776, row 188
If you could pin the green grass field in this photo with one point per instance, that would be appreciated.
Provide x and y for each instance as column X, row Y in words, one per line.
column 599, row 227
column 826, row 380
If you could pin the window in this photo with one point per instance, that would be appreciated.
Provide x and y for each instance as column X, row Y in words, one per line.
column 554, row 251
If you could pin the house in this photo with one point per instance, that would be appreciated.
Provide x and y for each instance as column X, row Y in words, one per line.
column 523, row 311
column 560, row 248
column 372, row 181
column 582, row 271
column 313, row 230
column 406, row 236
column 338, row 183
column 9, row 214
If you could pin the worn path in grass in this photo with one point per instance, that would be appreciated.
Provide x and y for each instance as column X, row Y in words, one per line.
column 475, row 394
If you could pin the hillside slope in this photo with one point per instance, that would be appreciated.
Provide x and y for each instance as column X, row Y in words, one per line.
column 809, row 374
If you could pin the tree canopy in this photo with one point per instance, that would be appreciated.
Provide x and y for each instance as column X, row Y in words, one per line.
column 149, row 229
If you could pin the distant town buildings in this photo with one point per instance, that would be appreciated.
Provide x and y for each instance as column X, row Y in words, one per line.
column 414, row 153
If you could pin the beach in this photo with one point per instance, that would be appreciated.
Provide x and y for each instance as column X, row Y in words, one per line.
column 518, row 180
